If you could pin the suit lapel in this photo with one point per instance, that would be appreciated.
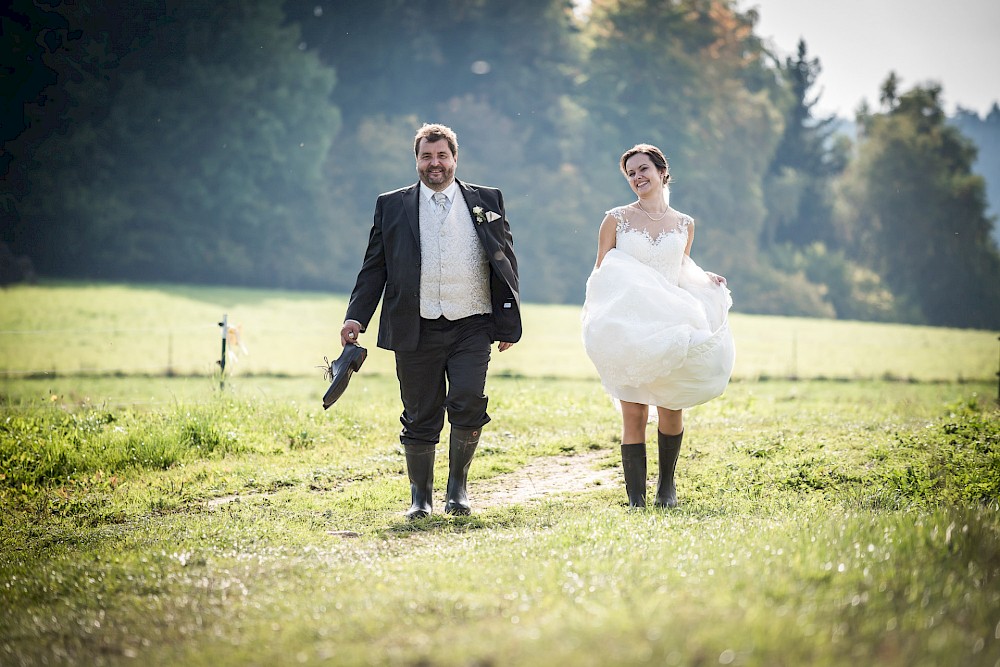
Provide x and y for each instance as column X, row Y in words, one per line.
column 489, row 235
column 471, row 197
column 472, row 200
column 411, row 205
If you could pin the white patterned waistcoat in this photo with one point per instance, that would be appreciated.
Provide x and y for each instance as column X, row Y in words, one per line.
column 454, row 271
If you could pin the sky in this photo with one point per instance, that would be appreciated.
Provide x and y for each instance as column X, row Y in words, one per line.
column 955, row 43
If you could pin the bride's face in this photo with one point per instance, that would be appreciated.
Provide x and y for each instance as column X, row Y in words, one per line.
column 643, row 176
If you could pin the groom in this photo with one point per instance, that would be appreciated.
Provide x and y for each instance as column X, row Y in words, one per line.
column 441, row 258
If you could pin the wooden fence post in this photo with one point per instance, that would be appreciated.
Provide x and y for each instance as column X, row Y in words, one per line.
column 224, row 324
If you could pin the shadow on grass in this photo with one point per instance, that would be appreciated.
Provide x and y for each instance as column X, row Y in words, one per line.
column 492, row 519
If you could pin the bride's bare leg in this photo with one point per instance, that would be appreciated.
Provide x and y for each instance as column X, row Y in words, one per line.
column 634, row 418
column 671, row 421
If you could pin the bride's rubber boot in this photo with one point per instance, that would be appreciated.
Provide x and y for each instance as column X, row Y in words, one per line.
column 463, row 446
column 634, row 467
column 669, row 447
column 420, row 469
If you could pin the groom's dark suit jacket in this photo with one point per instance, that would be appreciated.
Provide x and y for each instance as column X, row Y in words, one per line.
column 391, row 268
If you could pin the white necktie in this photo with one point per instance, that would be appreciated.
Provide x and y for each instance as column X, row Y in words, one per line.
column 440, row 203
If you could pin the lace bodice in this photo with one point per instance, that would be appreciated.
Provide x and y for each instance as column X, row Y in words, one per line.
column 663, row 253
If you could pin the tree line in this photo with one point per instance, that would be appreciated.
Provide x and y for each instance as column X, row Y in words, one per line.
column 243, row 142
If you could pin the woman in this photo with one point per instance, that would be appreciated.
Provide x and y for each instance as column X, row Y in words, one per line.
column 654, row 324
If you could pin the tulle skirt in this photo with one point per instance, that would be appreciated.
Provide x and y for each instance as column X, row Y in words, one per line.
column 654, row 342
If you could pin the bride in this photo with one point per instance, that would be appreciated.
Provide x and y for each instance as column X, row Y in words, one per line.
column 654, row 324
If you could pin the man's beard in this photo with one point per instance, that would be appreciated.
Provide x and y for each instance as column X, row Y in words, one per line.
column 432, row 178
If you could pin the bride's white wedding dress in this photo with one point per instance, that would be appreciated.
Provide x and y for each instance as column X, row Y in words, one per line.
column 654, row 324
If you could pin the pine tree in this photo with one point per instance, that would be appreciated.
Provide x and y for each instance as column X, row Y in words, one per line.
column 807, row 157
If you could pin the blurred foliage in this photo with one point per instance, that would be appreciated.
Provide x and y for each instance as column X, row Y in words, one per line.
column 985, row 132
column 202, row 164
column 244, row 142
column 913, row 211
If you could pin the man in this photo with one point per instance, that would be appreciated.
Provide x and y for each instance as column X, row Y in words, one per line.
column 440, row 256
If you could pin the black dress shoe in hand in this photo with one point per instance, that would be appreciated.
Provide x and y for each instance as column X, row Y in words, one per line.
column 340, row 371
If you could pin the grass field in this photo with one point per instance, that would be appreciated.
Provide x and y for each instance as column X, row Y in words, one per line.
column 846, row 517
column 116, row 329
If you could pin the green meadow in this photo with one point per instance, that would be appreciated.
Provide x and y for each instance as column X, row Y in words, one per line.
column 838, row 505
column 134, row 330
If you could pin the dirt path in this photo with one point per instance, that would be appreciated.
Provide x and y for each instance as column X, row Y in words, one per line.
column 543, row 477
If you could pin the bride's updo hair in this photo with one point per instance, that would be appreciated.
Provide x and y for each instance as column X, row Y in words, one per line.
column 655, row 155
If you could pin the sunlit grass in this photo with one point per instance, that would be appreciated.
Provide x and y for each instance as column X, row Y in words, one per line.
column 168, row 520
column 111, row 329
column 798, row 540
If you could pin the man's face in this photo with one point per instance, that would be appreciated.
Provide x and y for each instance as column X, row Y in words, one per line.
column 435, row 164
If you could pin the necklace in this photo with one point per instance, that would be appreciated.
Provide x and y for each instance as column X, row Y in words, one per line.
column 639, row 202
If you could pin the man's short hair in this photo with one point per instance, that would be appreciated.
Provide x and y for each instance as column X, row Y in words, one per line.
column 435, row 132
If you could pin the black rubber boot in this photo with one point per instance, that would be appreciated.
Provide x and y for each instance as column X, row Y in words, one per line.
column 669, row 447
column 634, row 467
column 463, row 446
column 420, row 469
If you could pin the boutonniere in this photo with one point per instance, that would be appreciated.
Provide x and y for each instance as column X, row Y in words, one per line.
column 484, row 216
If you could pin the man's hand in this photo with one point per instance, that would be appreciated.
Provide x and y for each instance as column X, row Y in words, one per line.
column 504, row 346
column 349, row 332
